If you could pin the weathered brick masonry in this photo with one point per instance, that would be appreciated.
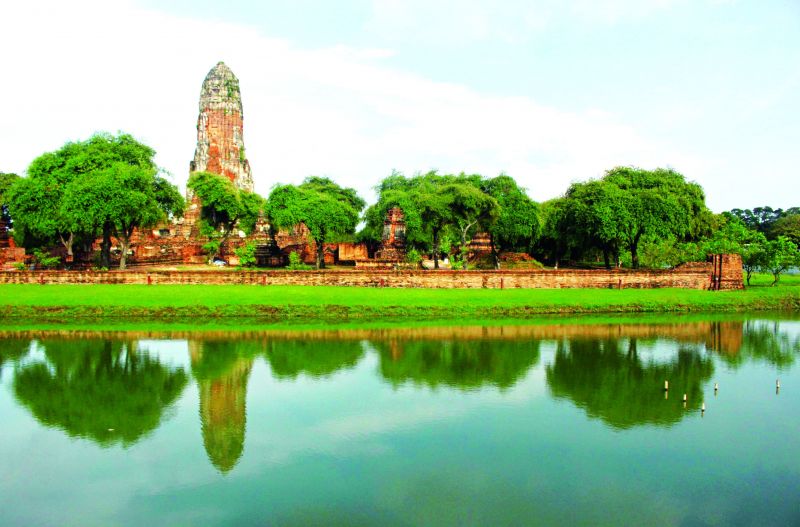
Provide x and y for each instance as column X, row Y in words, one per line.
column 695, row 276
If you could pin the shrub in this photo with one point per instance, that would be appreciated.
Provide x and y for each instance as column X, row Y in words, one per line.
column 246, row 255
column 413, row 257
column 46, row 261
column 295, row 264
column 212, row 248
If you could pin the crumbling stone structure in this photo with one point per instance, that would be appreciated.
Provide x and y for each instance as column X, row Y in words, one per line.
column 10, row 254
column 393, row 239
column 220, row 139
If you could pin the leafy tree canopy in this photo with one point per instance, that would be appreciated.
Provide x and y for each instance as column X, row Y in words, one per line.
column 225, row 207
column 440, row 205
column 787, row 225
column 762, row 218
column 122, row 198
column 518, row 224
column 39, row 205
column 326, row 209
column 628, row 203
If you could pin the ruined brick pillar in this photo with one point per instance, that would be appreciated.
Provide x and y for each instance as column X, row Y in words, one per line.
column 220, row 141
column 393, row 243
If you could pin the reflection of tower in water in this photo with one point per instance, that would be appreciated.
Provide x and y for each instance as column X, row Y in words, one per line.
column 222, row 408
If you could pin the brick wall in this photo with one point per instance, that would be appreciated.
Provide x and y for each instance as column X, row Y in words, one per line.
column 691, row 277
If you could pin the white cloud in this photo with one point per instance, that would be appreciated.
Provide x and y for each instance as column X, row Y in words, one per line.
column 80, row 67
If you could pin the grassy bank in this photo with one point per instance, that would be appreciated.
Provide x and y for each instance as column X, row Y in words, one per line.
column 274, row 303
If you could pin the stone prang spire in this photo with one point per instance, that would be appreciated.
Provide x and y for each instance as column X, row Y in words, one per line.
column 220, row 143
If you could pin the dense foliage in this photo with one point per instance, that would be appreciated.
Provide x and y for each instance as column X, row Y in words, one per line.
column 628, row 207
column 326, row 209
column 107, row 186
column 448, row 210
column 6, row 181
column 225, row 208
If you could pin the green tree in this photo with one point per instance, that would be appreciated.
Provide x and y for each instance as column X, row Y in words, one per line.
column 6, row 181
column 759, row 219
column 120, row 199
column 38, row 204
column 396, row 190
column 735, row 238
column 787, row 225
column 225, row 208
column 518, row 223
column 326, row 209
column 554, row 241
column 628, row 204
column 471, row 209
column 435, row 211
column 780, row 256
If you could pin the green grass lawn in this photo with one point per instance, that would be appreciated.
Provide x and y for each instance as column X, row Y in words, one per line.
column 171, row 301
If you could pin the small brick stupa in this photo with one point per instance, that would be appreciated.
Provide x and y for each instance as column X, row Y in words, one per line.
column 393, row 243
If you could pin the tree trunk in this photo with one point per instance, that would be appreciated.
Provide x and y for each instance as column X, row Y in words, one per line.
column 495, row 254
column 435, row 248
column 464, row 249
column 68, row 244
column 124, row 243
column 633, row 349
column 634, row 257
column 320, row 254
column 124, row 239
column 105, row 247
column 634, row 249
column 606, row 258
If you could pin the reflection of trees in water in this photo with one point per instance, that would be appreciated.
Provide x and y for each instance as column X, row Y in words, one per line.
column 764, row 340
column 289, row 358
column 12, row 349
column 103, row 390
column 609, row 380
column 460, row 364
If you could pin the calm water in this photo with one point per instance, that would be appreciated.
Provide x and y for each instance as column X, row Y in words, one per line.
column 545, row 424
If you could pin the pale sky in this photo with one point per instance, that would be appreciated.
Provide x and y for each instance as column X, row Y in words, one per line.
column 547, row 91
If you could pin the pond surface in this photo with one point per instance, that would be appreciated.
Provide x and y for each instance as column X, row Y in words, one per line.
column 542, row 424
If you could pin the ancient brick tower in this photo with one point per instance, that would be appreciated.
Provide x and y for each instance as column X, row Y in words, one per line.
column 220, row 143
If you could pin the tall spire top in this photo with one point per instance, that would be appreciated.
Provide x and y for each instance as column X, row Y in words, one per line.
column 220, row 89
column 220, row 141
